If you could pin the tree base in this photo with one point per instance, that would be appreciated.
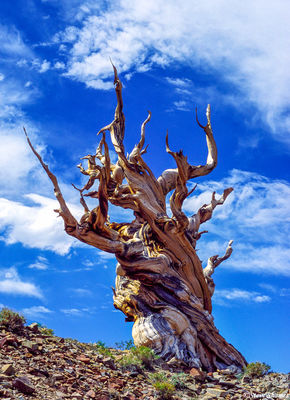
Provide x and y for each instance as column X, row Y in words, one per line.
column 185, row 333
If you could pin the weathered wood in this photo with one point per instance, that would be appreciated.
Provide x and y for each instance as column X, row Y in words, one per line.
column 160, row 282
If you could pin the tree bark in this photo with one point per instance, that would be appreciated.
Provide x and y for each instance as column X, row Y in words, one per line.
column 160, row 283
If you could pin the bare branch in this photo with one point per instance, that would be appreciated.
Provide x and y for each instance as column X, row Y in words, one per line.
column 110, row 243
column 82, row 200
column 64, row 212
column 117, row 126
column 137, row 150
column 168, row 177
column 181, row 192
column 214, row 262
column 205, row 213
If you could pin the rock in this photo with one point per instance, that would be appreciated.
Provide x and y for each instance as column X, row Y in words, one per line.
column 76, row 396
column 8, row 370
column 116, row 384
column 216, row 392
column 232, row 369
column 109, row 362
column 59, row 395
column 34, row 327
column 246, row 379
column 175, row 363
column 31, row 346
column 84, row 359
column 10, row 339
column 91, row 394
column 24, row 385
column 227, row 384
column 197, row 374
column 74, row 370
column 217, row 375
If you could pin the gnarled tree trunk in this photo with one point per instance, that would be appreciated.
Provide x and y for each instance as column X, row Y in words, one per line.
column 160, row 283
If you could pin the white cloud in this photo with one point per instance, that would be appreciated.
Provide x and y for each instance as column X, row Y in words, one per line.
column 242, row 42
column 13, row 95
column 262, row 299
column 285, row 292
column 269, row 287
column 11, row 283
column 12, row 44
column 59, row 65
column 88, row 263
column 221, row 296
column 72, row 312
column 181, row 105
column 178, row 82
column 2, row 77
column 81, row 292
column 35, row 226
column 41, row 263
column 78, row 312
column 256, row 216
column 36, row 312
column 18, row 167
column 103, row 256
column 45, row 66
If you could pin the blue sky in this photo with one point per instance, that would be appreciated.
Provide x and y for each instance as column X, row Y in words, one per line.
column 56, row 79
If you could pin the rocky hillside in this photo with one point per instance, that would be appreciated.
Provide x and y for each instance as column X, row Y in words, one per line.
column 36, row 365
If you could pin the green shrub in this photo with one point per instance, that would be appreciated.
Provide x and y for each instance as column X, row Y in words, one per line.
column 138, row 356
column 157, row 377
column 130, row 361
column 164, row 387
column 179, row 380
column 46, row 331
column 100, row 344
column 125, row 344
column 256, row 369
column 102, row 349
column 145, row 354
column 11, row 321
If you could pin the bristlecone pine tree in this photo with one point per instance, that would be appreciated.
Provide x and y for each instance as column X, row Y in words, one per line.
column 160, row 282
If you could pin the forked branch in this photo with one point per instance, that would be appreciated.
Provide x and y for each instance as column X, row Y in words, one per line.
column 168, row 178
column 205, row 213
column 212, row 263
column 110, row 244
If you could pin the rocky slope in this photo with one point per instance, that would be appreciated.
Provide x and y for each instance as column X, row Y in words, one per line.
column 38, row 366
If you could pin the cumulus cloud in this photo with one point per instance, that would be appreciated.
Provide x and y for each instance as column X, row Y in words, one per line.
column 243, row 43
column 35, row 225
column 45, row 66
column 256, row 216
column 222, row 296
column 11, row 283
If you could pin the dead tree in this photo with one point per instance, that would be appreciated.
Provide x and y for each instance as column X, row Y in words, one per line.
column 160, row 283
